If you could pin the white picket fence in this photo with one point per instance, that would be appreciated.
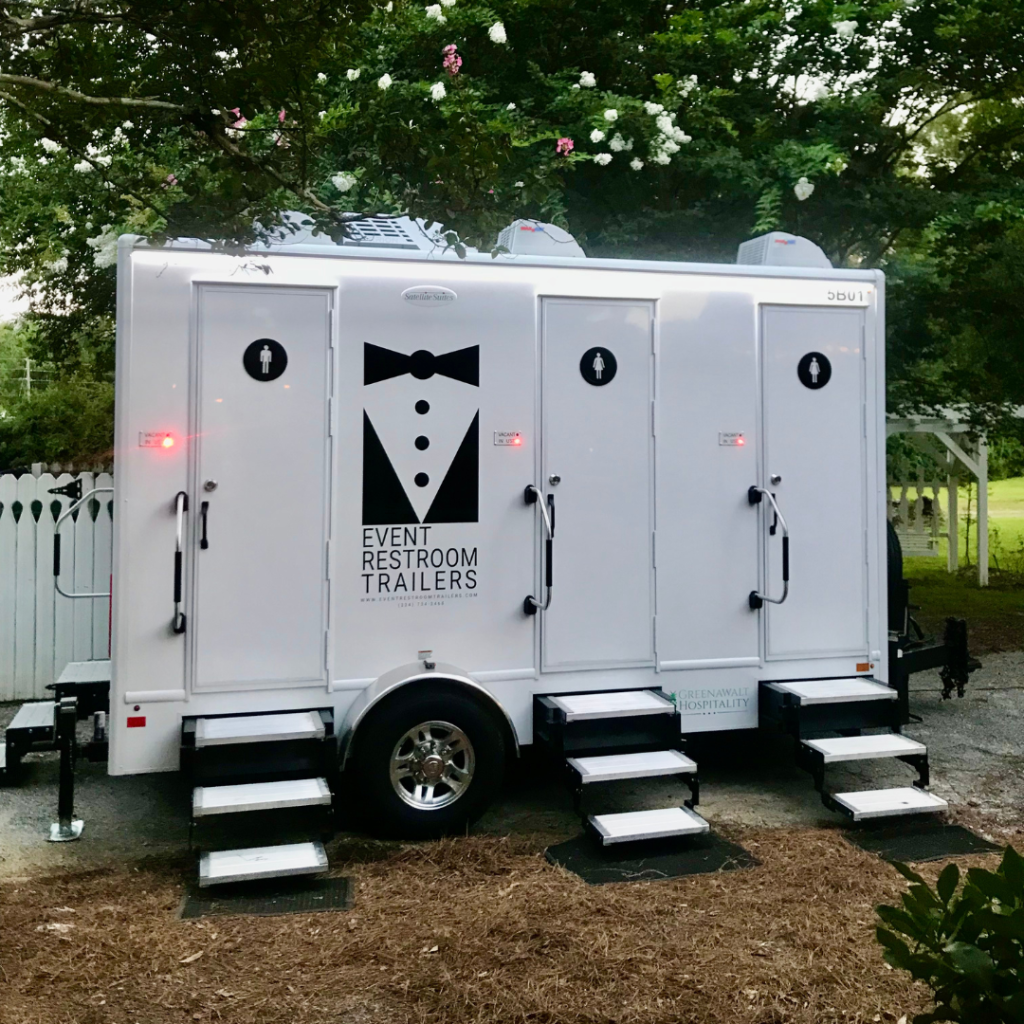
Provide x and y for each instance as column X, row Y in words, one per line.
column 41, row 631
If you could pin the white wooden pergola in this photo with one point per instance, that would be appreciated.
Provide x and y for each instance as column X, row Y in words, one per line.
column 946, row 441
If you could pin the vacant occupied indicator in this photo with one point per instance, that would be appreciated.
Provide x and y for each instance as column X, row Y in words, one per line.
column 155, row 439
column 731, row 440
column 508, row 438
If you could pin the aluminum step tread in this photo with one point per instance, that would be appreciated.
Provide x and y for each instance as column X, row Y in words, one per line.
column 660, row 823
column 834, row 691
column 889, row 803
column 261, row 862
column 611, row 767
column 865, row 748
column 86, row 672
column 259, row 796
column 293, row 725
column 579, row 707
column 37, row 715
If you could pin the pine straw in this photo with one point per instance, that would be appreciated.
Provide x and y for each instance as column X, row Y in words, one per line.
column 477, row 929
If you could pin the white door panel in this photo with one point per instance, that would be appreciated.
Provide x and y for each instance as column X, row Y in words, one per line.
column 813, row 440
column 597, row 439
column 260, row 590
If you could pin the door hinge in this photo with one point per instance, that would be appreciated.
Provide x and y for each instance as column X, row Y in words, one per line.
column 330, row 417
column 654, row 430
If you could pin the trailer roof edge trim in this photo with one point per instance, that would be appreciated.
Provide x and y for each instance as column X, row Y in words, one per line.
column 138, row 244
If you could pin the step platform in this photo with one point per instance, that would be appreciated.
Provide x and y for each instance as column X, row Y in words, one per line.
column 582, row 707
column 636, row 826
column 89, row 681
column 644, row 765
column 865, row 748
column 34, row 727
column 259, row 796
column 296, row 725
column 887, row 803
column 258, row 862
column 809, row 707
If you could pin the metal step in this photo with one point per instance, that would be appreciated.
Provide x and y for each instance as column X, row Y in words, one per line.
column 261, row 862
column 865, row 748
column 295, row 725
column 259, row 796
column 38, row 715
column 834, row 691
column 888, row 803
column 610, row 767
column 661, row 823
column 582, row 707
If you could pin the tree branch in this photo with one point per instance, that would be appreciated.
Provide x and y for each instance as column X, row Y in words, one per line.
column 96, row 101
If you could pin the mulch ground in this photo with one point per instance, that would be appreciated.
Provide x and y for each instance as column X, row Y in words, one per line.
column 466, row 930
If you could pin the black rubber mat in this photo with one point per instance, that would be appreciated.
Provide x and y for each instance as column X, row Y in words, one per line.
column 919, row 841
column 648, row 861
column 270, row 898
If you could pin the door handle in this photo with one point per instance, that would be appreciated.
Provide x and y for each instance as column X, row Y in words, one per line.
column 180, row 508
column 547, row 511
column 754, row 495
column 204, row 507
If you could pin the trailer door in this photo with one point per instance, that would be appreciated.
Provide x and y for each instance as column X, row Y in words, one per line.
column 814, row 462
column 259, row 501
column 597, row 462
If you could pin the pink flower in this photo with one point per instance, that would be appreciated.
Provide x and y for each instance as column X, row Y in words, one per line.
column 564, row 146
column 452, row 61
column 280, row 116
column 169, row 181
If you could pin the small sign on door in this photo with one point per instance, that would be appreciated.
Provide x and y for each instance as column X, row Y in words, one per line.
column 731, row 440
column 510, row 438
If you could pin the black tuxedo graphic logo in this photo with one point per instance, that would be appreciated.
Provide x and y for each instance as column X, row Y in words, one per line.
column 421, row 441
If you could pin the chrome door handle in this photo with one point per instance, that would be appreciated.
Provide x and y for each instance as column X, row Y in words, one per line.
column 180, row 508
column 755, row 599
column 547, row 510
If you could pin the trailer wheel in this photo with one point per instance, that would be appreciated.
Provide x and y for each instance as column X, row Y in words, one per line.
column 426, row 763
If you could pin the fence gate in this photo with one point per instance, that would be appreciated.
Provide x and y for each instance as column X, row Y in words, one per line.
column 40, row 631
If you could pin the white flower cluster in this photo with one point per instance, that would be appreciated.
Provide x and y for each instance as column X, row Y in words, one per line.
column 344, row 180
column 496, row 34
column 59, row 265
column 438, row 92
column 384, row 82
column 83, row 167
column 321, row 77
column 352, row 74
column 618, row 144
column 611, row 114
column 636, row 163
column 803, row 189
column 511, row 106
column 845, row 29
column 686, row 85
column 104, row 247
column 97, row 155
column 596, row 135
column 434, row 11
column 670, row 136
column 603, row 159
column 50, row 146
column 447, row 3
column 588, row 80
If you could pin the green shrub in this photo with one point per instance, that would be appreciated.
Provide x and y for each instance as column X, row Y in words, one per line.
column 967, row 946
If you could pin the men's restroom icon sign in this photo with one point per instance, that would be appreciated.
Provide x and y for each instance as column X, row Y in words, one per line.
column 265, row 359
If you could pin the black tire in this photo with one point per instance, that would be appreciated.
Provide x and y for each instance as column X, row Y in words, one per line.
column 380, row 809
column 897, row 587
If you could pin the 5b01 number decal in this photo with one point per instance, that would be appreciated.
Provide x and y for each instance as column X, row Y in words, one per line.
column 854, row 295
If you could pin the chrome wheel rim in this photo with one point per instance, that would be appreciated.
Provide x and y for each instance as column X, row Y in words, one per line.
column 432, row 765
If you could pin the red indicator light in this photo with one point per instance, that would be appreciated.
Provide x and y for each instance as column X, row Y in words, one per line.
column 740, row 442
column 518, row 440
column 168, row 442
column 136, row 721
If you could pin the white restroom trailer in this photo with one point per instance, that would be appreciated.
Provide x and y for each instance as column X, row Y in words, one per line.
column 338, row 473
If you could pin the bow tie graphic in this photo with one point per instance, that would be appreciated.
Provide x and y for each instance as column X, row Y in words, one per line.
column 382, row 364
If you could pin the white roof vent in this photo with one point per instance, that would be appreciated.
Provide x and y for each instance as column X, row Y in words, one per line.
column 779, row 249
column 532, row 238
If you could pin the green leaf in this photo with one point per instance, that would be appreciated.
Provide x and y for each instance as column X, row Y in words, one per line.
column 908, row 873
column 975, row 963
column 947, row 883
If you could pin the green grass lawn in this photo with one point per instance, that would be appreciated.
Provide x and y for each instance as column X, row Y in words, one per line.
column 995, row 614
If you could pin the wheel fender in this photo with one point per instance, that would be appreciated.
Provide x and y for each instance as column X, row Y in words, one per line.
column 403, row 676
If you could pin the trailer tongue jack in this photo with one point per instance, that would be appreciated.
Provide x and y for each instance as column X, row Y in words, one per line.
column 66, row 828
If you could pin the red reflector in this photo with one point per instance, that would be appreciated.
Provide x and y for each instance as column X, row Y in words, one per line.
column 136, row 721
